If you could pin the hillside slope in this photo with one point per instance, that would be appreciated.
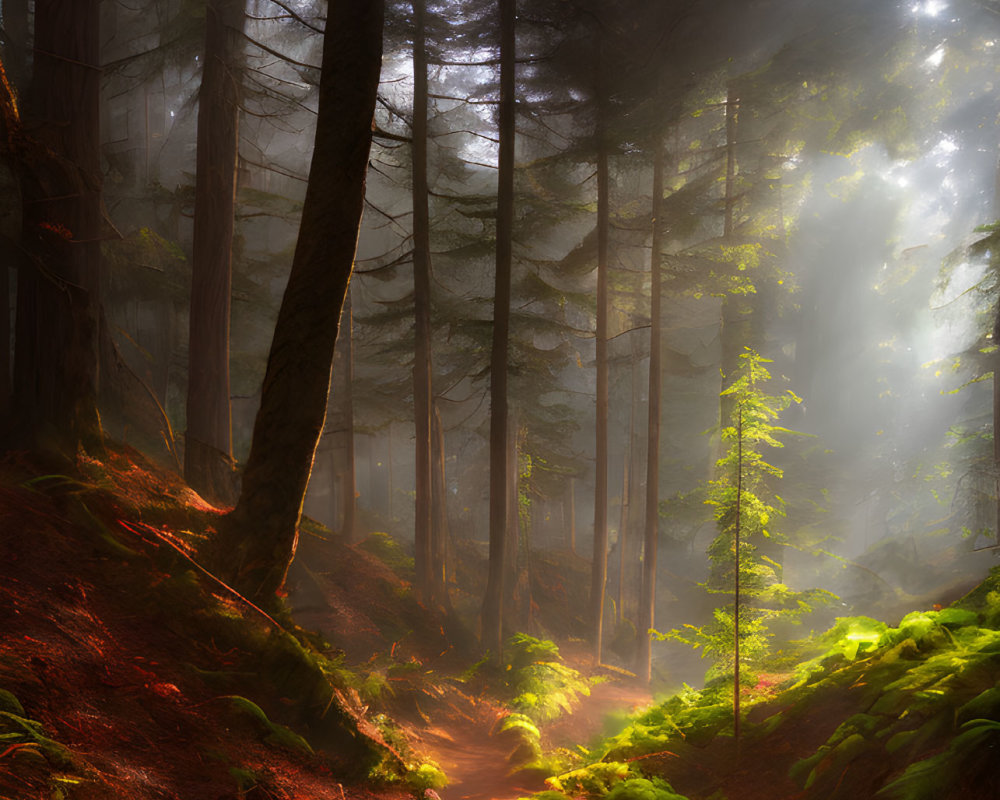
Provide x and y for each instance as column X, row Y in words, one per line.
column 127, row 671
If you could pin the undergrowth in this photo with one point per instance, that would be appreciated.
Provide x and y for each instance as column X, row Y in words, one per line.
column 918, row 715
column 538, row 687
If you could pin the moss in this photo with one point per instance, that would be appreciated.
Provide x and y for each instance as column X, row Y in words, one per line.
column 593, row 779
column 246, row 779
column 387, row 550
column 985, row 705
column 10, row 704
column 270, row 732
column 16, row 728
column 427, row 775
column 643, row 789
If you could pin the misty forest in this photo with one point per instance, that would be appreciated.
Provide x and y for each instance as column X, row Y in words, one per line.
column 499, row 399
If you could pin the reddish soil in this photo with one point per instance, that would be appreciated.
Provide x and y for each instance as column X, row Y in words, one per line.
column 129, row 686
column 457, row 734
column 121, row 687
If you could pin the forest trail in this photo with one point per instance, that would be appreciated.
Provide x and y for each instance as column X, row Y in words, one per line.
column 476, row 762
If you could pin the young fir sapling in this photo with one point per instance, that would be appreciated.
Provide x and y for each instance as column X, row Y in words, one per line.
column 745, row 510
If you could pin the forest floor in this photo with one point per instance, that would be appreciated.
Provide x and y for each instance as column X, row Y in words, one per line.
column 126, row 672
column 476, row 761
column 421, row 655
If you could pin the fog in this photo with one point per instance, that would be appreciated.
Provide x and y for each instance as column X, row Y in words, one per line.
column 862, row 177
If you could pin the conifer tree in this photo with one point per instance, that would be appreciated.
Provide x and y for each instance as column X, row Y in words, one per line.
column 59, row 171
column 258, row 538
column 492, row 613
column 208, row 457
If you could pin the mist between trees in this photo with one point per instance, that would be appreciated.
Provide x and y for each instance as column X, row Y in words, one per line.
column 579, row 215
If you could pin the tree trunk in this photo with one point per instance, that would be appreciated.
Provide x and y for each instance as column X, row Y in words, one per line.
column 208, row 452
column 56, row 359
column 512, row 558
column 350, row 483
column 996, row 367
column 599, row 563
column 439, row 518
column 736, row 580
column 15, row 55
column 492, row 614
column 572, row 515
column 427, row 587
column 623, row 523
column 258, row 538
column 733, row 334
column 651, row 530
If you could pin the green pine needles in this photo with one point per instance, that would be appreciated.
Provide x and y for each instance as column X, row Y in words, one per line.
column 745, row 554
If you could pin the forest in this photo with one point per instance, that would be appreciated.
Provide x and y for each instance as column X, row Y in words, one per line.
column 508, row 400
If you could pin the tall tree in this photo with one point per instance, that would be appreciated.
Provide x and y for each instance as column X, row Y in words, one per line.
column 15, row 57
column 651, row 525
column 492, row 614
column 422, row 369
column 16, row 41
column 257, row 540
column 208, row 456
column 349, row 486
column 56, row 359
column 599, row 564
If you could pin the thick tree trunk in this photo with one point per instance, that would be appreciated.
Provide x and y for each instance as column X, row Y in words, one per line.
column 258, row 538
column 651, row 531
column 56, row 359
column 208, row 456
column 17, row 33
column 492, row 614
column 599, row 563
column 15, row 56
column 427, row 587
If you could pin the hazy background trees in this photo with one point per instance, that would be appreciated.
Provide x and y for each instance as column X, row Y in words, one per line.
column 715, row 178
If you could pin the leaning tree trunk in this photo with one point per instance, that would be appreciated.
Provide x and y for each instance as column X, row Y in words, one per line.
column 56, row 358
column 492, row 613
column 258, row 538
column 427, row 586
column 647, row 604
column 208, row 453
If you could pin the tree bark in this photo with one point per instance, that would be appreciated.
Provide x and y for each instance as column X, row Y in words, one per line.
column 427, row 587
column 258, row 538
column 651, row 529
column 733, row 334
column 572, row 515
column 599, row 562
column 440, row 534
column 56, row 359
column 492, row 613
column 208, row 453
column 350, row 483
column 15, row 25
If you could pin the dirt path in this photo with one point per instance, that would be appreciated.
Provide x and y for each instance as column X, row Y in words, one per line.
column 476, row 762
